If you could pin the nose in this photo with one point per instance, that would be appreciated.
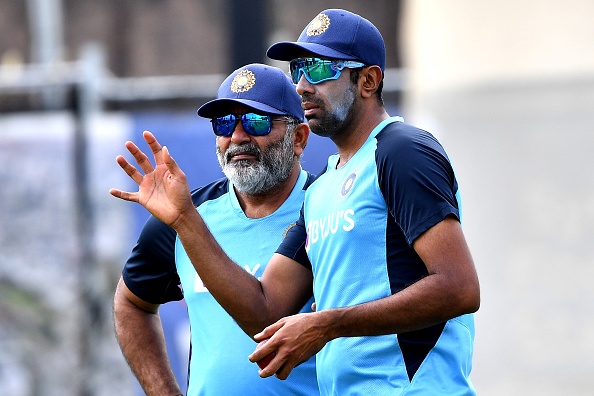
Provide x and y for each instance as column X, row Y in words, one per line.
column 239, row 134
column 304, row 86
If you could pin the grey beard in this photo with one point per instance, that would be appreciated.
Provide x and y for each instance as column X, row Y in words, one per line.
column 273, row 167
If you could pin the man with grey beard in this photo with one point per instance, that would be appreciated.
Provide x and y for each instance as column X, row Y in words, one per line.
column 260, row 135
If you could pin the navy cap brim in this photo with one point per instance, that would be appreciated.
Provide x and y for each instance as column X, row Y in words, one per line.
column 220, row 107
column 288, row 50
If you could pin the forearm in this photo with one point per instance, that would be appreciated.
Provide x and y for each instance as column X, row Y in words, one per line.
column 142, row 342
column 427, row 302
column 164, row 192
column 450, row 289
column 296, row 338
column 238, row 292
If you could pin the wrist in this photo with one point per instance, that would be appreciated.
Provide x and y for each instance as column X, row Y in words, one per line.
column 329, row 321
column 187, row 221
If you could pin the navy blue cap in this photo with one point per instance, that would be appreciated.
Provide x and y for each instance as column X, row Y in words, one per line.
column 336, row 34
column 261, row 87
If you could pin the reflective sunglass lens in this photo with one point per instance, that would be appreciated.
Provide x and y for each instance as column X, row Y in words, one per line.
column 297, row 68
column 315, row 70
column 321, row 71
column 256, row 124
column 223, row 126
column 253, row 124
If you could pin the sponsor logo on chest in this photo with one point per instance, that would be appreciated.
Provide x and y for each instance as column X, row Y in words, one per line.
column 199, row 285
column 337, row 221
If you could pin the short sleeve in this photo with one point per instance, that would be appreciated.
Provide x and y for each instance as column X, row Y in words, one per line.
column 150, row 271
column 293, row 245
column 416, row 179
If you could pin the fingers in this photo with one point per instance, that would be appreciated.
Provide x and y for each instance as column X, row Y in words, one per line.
column 129, row 169
column 155, row 146
column 161, row 155
column 271, row 362
column 262, row 363
column 175, row 172
column 140, row 157
column 263, row 349
column 266, row 355
column 269, row 331
column 284, row 371
column 170, row 162
column 266, row 358
column 126, row 196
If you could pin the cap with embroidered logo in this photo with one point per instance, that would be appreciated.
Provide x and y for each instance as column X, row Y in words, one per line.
column 261, row 87
column 336, row 34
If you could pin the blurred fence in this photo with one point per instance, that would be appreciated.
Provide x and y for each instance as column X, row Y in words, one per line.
column 63, row 240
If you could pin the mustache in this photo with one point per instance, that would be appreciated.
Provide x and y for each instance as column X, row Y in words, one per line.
column 250, row 149
column 310, row 99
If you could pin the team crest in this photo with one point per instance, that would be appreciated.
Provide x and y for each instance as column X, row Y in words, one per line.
column 347, row 186
column 319, row 25
column 243, row 81
column 288, row 229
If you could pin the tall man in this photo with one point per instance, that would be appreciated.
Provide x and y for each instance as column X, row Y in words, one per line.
column 379, row 237
column 258, row 120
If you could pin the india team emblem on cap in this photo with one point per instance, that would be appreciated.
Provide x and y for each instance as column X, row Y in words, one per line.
column 243, row 81
column 319, row 25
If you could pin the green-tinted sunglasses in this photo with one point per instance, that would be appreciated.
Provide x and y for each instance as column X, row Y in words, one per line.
column 318, row 70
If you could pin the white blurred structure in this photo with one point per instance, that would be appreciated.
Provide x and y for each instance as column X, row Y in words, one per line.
column 508, row 86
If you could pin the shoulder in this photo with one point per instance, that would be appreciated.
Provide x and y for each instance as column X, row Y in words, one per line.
column 210, row 191
column 310, row 179
column 401, row 137
column 404, row 145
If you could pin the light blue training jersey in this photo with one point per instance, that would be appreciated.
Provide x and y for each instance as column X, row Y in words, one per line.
column 360, row 221
column 219, row 362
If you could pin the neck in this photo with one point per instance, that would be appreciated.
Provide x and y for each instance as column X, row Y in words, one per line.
column 256, row 206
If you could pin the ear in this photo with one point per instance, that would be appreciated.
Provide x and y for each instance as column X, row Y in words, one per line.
column 370, row 79
column 300, row 136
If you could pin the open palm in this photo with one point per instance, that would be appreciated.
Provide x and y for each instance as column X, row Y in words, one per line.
column 163, row 189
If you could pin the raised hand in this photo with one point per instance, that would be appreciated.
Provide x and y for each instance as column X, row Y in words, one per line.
column 163, row 190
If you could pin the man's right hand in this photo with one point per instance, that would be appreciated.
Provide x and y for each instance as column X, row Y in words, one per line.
column 163, row 190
